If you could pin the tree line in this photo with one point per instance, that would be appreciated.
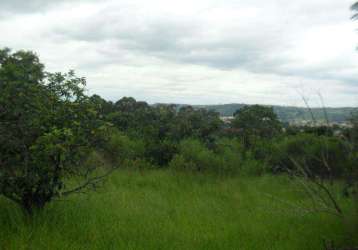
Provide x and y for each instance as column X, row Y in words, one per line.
column 52, row 132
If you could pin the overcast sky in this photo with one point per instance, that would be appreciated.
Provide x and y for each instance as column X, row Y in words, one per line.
column 195, row 51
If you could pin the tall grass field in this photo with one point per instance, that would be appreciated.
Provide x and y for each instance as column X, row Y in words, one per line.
column 162, row 209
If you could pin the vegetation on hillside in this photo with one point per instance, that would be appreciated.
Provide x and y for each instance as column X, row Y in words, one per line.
column 288, row 114
column 55, row 140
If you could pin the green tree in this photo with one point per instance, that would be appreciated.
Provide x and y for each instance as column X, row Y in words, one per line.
column 256, row 121
column 47, row 128
column 102, row 106
column 132, row 116
column 200, row 123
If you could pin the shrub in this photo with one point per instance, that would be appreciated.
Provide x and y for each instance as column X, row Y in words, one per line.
column 231, row 154
column 318, row 155
column 180, row 163
column 252, row 166
column 120, row 147
column 161, row 152
column 195, row 156
column 203, row 158
column 227, row 157
column 262, row 149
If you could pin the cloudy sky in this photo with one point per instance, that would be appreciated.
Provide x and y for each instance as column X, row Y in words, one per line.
column 197, row 52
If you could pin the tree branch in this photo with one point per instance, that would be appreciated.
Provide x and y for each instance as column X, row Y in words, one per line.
column 90, row 182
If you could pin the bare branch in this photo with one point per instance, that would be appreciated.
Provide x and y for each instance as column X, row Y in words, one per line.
column 309, row 109
column 324, row 108
column 90, row 182
column 331, row 205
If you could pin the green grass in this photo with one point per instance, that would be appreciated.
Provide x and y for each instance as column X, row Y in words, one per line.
column 163, row 210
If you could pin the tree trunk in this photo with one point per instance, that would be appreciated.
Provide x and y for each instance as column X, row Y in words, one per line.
column 31, row 203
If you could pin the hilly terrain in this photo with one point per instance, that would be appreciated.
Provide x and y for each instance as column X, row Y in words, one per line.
column 289, row 114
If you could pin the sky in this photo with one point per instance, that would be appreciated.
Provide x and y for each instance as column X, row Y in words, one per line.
column 195, row 52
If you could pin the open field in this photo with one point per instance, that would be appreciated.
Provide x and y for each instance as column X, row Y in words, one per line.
column 165, row 210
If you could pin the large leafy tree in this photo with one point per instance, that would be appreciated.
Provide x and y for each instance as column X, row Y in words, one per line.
column 132, row 116
column 256, row 121
column 47, row 128
column 199, row 123
column 102, row 106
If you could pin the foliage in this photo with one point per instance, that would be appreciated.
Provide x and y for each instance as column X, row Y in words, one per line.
column 319, row 155
column 263, row 149
column 353, row 132
column 47, row 128
column 130, row 115
column 102, row 106
column 160, row 152
column 351, row 175
column 118, row 147
column 288, row 114
column 231, row 154
column 198, row 156
column 195, row 123
column 55, row 140
column 162, row 127
column 228, row 157
column 252, row 166
column 195, row 152
column 256, row 121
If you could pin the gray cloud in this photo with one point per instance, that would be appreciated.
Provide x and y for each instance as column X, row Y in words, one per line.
column 256, row 46
column 20, row 6
column 8, row 8
column 310, row 41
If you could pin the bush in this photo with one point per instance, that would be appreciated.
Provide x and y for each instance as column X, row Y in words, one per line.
column 231, row 154
column 262, row 149
column 161, row 152
column 228, row 157
column 180, row 163
column 252, row 166
column 318, row 155
column 120, row 147
column 195, row 156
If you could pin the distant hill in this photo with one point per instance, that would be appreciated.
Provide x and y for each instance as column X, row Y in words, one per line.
column 291, row 114
column 288, row 113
